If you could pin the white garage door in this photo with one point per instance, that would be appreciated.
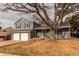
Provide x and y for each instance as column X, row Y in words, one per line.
column 24, row 36
column 16, row 36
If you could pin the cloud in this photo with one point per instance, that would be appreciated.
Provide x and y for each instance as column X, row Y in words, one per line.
column 6, row 23
column 9, row 15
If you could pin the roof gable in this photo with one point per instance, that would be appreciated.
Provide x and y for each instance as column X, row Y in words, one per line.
column 23, row 20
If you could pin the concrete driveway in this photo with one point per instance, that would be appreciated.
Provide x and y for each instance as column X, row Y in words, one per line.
column 8, row 42
column 5, row 43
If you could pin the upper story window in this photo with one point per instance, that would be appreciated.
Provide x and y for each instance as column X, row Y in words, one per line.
column 24, row 25
column 18, row 26
column 27, row 25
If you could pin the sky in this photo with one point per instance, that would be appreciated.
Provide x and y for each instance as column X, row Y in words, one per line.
column 7, row 19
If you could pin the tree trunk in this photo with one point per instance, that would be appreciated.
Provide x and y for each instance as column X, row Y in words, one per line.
column 54, row 31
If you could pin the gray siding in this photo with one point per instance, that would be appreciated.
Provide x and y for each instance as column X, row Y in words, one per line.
column 35, row 25
column 21, row 25
column 24, row 25
column 31, row 25
column 18, row 26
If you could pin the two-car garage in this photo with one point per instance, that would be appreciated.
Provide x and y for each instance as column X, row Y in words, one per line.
column 21, row 35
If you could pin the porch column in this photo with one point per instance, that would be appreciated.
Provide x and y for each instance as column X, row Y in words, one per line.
column 35, row 33
column 45, row 33
column 69, row 32
column 42, row 33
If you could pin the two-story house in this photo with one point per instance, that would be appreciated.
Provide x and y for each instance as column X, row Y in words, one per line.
column 26, row 29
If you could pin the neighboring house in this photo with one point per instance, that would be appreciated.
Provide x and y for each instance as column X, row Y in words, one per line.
column 6, row 33
column 26, row 29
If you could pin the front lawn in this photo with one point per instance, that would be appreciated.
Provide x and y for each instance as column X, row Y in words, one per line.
column 44, row 47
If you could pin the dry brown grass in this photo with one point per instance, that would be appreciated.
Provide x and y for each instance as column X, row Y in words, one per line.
column 44, row 47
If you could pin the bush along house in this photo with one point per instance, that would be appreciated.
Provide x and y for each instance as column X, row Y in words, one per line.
column 26, row 29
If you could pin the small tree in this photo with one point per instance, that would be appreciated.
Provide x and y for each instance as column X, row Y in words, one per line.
column 74, row 22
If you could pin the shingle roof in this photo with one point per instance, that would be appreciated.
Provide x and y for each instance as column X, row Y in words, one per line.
column 3, row 33
column 43, row 27
column 6, row 31
column 64, row 25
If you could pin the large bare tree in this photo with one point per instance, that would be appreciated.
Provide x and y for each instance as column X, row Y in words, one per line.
column 41, row 10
